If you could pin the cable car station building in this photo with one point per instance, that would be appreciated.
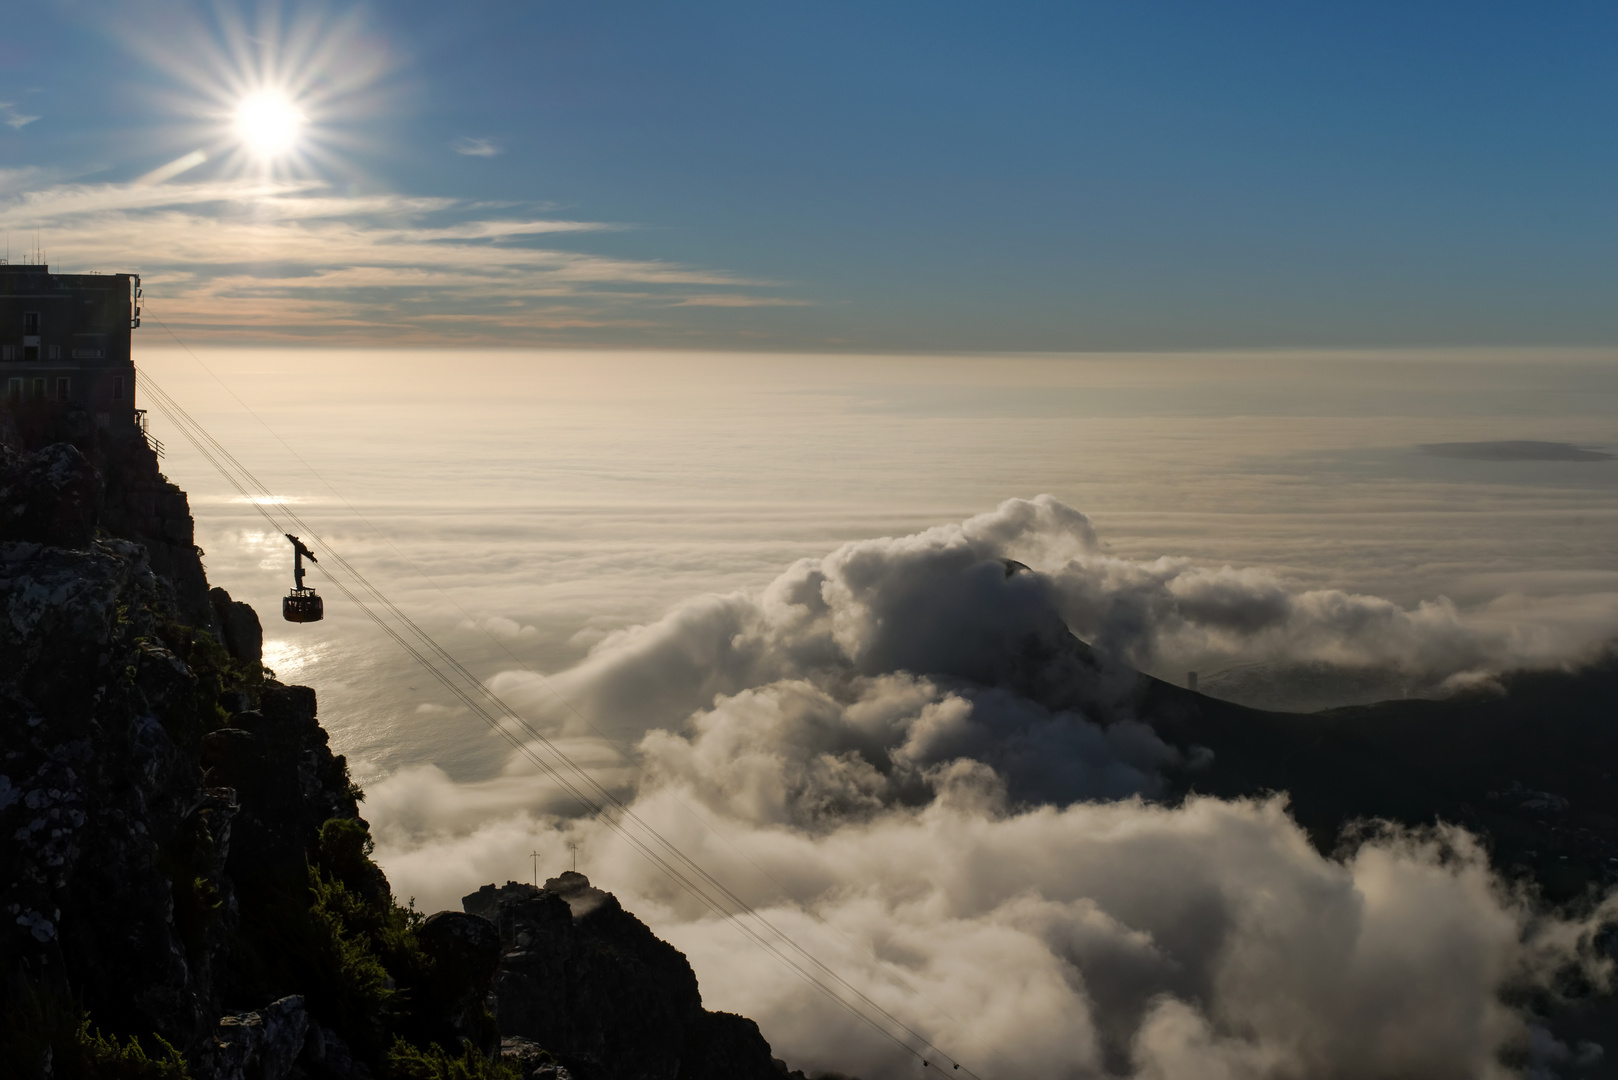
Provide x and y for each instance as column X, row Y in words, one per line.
column 65, row 360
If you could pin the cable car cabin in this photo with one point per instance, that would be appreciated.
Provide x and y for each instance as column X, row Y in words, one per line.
column 302, row 605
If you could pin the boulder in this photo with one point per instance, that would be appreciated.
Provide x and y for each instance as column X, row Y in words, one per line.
column 261, row 1045
column 531, row 1060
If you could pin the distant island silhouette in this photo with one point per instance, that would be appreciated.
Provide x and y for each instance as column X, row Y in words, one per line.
column 1514, row 450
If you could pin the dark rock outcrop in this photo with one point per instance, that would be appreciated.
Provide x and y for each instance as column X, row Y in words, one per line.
column 532, row 1060
column 52, row 497
column 120, row 852
column 113, row 847
column 142, row 505
column 593, row 985
column 277, row 760
column 721, row 1044
column 239, row 627
column 465, row 951
column 63, row 485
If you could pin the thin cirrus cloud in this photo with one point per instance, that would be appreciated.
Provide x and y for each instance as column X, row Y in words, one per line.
column 738, row 300
column 12, row 118
column 476, row 147
column 236, row 260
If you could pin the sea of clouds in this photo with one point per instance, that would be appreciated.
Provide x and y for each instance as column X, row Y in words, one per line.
column 900, row 757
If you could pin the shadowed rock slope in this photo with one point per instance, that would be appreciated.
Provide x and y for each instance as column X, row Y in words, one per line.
column 184, row 874
column 1528, row 766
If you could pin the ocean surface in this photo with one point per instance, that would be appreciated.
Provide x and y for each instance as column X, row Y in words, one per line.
column 523, row 505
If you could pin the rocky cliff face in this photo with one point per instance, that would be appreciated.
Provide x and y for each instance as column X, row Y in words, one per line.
column 581, row 976
column 184, row 874
column 130, row 790
column 104, row 811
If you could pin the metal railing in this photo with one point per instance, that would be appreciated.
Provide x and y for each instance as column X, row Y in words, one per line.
column 151, row 440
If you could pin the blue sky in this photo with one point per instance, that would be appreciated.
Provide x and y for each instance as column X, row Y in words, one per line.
column 895, row 176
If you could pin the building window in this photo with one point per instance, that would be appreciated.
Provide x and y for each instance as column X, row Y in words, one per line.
column 13, row 390
column 62, row 388
column 56, row 352
column 30, row 323
column 7, row 353
column 118, row 388
column 39, row 389
column 30, row 352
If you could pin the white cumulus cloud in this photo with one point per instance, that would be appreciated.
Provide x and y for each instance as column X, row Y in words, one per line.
column 899, row 755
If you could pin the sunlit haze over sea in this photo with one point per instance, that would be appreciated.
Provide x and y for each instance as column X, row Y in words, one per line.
column 630, row 548
column 551, row 498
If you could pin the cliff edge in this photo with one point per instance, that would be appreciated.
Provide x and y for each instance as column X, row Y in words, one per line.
column 185, row 876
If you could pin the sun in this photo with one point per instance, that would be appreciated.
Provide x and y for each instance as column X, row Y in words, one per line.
column 268, row 123
column 264, row 94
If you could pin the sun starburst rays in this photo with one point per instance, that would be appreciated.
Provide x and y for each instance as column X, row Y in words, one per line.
column 282, row 97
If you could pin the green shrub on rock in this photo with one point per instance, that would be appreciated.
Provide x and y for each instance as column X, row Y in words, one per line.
column 37, row 1028
column 407, row 1062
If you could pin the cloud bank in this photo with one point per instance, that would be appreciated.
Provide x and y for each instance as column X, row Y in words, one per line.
column 995, row 601
column 900, row 755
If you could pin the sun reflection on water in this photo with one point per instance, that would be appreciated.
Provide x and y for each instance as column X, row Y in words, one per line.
column 288, row 659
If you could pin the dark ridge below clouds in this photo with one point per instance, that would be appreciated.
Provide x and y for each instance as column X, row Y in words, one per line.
column 1514, row 450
